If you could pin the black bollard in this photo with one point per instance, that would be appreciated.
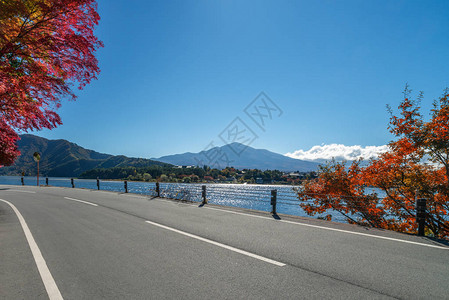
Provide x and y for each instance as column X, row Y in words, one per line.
column 73, row 183
column 126, row 186
column 23, row 182
column 273, row 201
column 421, row 215
column 203, row 194
column 98, row 183
column 46, row 181
column 158, row 190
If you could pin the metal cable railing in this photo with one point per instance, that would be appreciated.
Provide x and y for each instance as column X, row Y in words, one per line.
column 284, row 199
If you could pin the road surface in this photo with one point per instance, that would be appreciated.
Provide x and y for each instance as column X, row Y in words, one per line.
column 106, row 245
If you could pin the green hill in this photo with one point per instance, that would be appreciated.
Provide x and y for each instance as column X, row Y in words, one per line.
column 61, row 158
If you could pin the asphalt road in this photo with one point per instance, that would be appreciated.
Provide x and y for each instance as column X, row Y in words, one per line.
column 136, row 247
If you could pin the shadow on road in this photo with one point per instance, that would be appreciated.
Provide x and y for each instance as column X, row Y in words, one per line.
column 276, row 217
column 436, row 241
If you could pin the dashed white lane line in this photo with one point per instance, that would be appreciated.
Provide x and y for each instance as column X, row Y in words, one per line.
column 274, row 262
column 332, row 229
column 49, row 283
column 323, row 227
column 82, row 201
column 22, row 191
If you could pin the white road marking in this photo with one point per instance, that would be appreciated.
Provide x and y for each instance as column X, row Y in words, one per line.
column 22, row 191
column 243, row 214
column 49, row 283
column 137, row 196
column 219, row 244
column 331, row 229
column 368, row 235
column 85, row 202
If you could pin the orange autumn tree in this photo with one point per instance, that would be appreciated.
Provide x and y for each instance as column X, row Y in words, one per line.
column 416, row 165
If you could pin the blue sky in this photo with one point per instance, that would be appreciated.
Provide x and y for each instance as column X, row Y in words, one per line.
column 175, row 74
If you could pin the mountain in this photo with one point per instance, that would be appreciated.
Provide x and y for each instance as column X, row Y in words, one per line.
column 62, row 158
column 241, row 157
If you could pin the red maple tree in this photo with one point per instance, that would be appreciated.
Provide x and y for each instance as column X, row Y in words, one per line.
column 416, row 165
column 46, row 47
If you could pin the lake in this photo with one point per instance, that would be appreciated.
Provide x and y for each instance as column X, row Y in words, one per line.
column 251, row 196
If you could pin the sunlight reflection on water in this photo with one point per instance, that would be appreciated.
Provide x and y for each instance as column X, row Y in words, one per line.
column 248, row 196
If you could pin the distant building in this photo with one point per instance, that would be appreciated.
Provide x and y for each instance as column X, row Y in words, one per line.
column 231, row 179
column 259, row 180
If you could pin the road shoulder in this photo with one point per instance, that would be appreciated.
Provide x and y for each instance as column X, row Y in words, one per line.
column 19, row 276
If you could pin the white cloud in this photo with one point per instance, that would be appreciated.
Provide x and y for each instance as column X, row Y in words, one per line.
column 339, row 152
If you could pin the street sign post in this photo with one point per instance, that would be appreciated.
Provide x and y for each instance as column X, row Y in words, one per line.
column 37, row 158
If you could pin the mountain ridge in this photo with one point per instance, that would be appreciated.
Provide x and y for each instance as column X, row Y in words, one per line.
column 240, row 156
column 61, row 158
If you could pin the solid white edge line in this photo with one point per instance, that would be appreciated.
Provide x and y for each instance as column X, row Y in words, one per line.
column 332, row 229
column 368, row 235
column 49, row 283
column 219, row 244
column 132, row 196
column 85, row 202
